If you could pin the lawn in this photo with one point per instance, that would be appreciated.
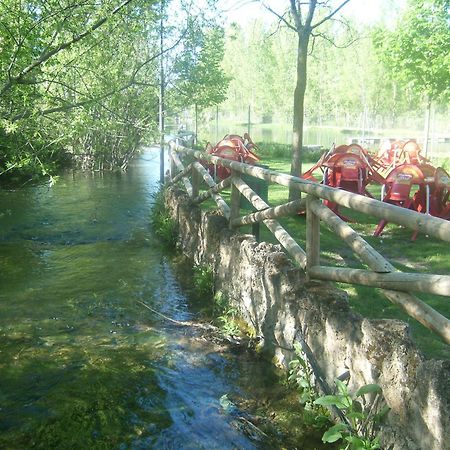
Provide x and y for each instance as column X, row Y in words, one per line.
column 425, row 255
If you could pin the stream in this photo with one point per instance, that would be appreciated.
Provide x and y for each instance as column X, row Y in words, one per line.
column 83, row 365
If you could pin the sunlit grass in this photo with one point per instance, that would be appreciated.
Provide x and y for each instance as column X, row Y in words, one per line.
column 425, row 255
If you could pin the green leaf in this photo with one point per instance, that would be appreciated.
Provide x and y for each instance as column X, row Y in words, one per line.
column 356, row 415
column 357, row 443
column 329, row 400
column 342, row 387
column 368, row 389
column 334, row 433
column 303, row 383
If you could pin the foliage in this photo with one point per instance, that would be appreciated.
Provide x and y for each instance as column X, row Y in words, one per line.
column 300, row 373
column 163, row 225
column 226, row 314
column 79, row 81
column 344, row 86
column 199, row 77
column 416, row 52
column 362, row 417
column 203, row 280
column 75, row 82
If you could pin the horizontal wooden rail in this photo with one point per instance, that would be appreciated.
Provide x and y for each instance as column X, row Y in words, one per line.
column 179, row 165
column 278, row 231
column 395, row 285
column 366, row 253
column 276, row 212
column 224, row 184
column 180, row 175
column 211, row 183
column 432, row 226
column 398, row 281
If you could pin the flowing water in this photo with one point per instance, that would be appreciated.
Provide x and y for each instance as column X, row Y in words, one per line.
column 83, row 364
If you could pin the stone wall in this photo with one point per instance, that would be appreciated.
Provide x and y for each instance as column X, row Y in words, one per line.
column 273, row 296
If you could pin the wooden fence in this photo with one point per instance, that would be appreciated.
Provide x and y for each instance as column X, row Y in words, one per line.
column 396, row 286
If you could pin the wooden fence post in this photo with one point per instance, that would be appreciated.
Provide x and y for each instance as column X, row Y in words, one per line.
column 173, row 167
column 312, row 236
column 235, row 197
column 196, row 179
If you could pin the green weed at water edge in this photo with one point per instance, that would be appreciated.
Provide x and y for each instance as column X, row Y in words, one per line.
column 359, row 431
column 203, row 280
column 226, row 315
column 302, row 376
column 163, row 225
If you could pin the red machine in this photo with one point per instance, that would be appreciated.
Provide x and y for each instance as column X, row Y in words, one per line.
column 233, row 147
column 347, row 167
column 397, row 153
column 431, row 197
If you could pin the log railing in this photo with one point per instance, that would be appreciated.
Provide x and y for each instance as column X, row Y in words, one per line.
column 396, row 286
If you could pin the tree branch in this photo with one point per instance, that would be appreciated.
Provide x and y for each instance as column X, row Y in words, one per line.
column 311, row 11
column 280, row 17
column 297, row 15
column 46, row 56
column 320, row 22
column 333, row 43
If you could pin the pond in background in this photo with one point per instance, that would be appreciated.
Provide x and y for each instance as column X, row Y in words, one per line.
column 323, row 136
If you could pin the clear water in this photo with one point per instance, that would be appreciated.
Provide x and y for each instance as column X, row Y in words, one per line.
column 83, row 364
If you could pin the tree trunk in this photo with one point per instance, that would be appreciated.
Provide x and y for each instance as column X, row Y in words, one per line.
column 299, row 108
column 161, row 97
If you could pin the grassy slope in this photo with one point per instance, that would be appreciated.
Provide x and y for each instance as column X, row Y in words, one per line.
column 425, row 255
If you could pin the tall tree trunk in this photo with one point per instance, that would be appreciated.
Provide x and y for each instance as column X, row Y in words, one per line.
column 299, row 108
column 161, row 96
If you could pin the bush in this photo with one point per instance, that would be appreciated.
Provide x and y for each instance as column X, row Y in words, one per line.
column 284, row 151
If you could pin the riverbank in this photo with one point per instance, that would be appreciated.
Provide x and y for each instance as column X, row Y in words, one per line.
column 275, row 299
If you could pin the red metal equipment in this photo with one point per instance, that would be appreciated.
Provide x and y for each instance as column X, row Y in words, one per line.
column 433, row 195
column 234, row 147
column 347, row 167
column 398, row 187
column 440, row 198
column 393, row 154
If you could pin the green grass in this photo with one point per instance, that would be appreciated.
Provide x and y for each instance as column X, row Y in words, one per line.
column 425, row 255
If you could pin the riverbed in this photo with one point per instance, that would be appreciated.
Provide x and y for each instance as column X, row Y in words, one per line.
column 84, row 365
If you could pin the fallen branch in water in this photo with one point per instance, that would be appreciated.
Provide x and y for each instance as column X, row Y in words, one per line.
column 213, row 330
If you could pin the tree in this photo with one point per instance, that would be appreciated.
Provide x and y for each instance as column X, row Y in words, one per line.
column 74, row 77
column 299, row 17
column 417, row 51
column 199, row 79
